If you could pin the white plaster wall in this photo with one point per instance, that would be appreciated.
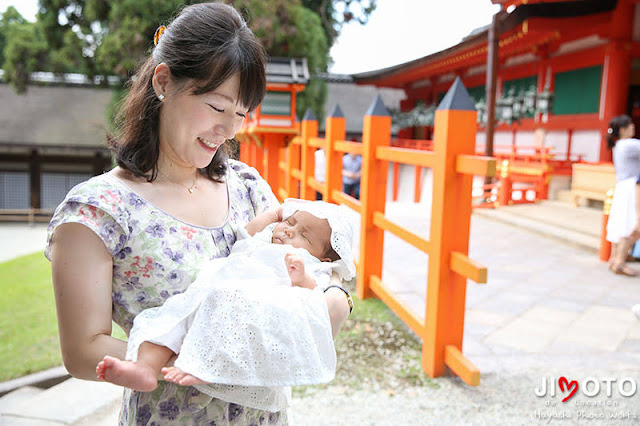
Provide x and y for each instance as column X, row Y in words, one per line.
column 586, row 142
column 502, row 138
column 558, row 140
column 525, row 138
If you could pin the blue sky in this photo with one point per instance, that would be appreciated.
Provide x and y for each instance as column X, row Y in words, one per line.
column 398, row 31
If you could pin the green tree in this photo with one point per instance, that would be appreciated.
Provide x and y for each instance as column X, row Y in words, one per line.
column 24, row 49
column 107, row 37
column 335, row 13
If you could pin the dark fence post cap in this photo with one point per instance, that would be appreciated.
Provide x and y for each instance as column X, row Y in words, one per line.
column 336, row 112
column 309, row 115
column 457, row 98
column 377, row 108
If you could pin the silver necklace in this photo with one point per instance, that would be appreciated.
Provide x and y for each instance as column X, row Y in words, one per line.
column 190, row 189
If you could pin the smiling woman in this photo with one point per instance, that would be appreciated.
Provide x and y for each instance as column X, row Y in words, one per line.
column 129, row 239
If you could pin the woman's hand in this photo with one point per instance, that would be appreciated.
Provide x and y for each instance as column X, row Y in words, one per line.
column 82, row 273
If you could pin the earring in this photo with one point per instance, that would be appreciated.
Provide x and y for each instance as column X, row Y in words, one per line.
column 161, row 97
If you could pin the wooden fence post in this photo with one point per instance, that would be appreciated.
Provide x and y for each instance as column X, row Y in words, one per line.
column 455, row 135
column 506, row 185
column 293, row 163
column 396, row 177
column 335, row 130
column 271, row 144
column 309, row 130
column 373, row 189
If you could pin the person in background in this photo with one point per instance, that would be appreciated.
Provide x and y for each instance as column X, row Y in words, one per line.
column 623, row 227
column 129, row 239
column 351, row 170
column 319, row 169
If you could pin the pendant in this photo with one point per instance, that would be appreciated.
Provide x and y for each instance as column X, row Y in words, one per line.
column 190, row 190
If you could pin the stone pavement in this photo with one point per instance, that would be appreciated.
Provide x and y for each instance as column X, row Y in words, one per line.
column 549, row 303
column 19, row 239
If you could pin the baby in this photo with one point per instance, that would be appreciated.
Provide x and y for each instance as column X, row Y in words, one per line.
column 249, row 323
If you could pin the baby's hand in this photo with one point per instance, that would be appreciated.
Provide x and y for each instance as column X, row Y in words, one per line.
column 295, row 268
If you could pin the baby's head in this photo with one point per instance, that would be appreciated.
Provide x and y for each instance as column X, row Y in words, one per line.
column 304, row 230
column 323, row 229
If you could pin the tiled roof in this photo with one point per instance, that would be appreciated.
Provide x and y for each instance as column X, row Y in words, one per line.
column 287, row 70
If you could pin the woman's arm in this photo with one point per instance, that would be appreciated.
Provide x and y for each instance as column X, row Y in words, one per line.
column 337, row 304
column 82, row 274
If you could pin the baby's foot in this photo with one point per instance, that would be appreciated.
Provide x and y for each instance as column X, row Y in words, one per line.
column 179, row 377
column 129, row 374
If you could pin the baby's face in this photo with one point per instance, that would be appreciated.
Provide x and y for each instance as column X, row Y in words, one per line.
column 304, row 230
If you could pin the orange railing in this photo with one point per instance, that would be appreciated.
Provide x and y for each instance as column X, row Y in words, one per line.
column 524, row 173
column 453, row 163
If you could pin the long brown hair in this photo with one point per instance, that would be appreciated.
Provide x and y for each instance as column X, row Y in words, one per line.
column 613, row 132
column 204, row 46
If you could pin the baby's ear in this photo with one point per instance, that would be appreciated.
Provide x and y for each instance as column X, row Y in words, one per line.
column 326, row 259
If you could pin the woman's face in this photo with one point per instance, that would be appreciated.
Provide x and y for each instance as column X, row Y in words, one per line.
column 628, row 131
column 193, row 127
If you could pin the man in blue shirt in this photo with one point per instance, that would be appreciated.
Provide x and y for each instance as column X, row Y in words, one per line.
column 351, row 167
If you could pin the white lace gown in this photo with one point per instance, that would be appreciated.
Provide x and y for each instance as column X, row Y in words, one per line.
column 242, row 327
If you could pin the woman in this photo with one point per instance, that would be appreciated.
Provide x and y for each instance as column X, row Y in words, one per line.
column 624, row 219
column 129, row 239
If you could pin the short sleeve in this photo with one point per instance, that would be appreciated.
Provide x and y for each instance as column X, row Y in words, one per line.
column 260, row 193
column 97, row 207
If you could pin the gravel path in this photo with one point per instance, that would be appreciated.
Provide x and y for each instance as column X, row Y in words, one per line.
column 500, row 399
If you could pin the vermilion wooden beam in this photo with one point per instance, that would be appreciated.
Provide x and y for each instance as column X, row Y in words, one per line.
column 568, row 25
column 476, row 165
column 418, row 242
column 317, row 142
column 401, row 309
column 414, row 157
column 344, row 146
column 314, row 184
column 342, row 198
column 461, row 264
column 461, row 366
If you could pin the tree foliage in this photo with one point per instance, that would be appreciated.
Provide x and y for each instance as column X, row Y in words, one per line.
column 335, row 13
column 110, row 37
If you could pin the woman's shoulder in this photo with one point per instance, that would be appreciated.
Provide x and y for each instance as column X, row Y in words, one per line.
column 245, row 183
column 239, row 170
column 102, row 190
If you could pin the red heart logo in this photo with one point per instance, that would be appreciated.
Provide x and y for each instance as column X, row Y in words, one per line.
column 562, row 382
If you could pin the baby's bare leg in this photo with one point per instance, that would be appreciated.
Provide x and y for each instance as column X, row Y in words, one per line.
column 179, row 377
column 140, row 375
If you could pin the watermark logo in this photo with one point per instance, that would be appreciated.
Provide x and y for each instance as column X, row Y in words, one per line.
column 562, row 382
column 590, row 387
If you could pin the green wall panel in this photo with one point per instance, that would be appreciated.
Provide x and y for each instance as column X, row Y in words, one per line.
column 577, row 91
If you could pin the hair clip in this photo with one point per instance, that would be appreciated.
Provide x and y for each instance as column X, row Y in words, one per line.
column 157, row 34
column 610, row 130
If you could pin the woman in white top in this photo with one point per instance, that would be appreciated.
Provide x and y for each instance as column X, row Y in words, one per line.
column 623, row 228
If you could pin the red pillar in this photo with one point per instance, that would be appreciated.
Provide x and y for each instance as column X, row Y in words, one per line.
column 616, row 72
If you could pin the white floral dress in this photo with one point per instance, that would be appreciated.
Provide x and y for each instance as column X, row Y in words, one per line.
column 155, row 256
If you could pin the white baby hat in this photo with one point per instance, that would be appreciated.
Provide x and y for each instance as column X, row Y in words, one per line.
column 341, row 230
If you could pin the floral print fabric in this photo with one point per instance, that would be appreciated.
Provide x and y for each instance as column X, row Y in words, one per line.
column 155, row 256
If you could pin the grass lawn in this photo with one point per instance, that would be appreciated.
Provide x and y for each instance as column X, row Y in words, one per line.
column 28, row 324
column 374, row 347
